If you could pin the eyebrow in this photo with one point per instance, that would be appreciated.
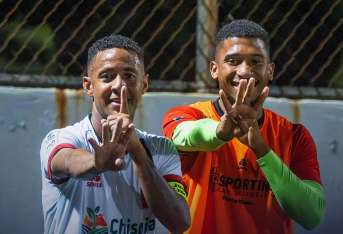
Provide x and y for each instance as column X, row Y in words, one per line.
column 124, row 68
column 242, row 55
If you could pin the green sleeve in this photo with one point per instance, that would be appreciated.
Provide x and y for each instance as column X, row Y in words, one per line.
column 199, row 135
column 302, row 200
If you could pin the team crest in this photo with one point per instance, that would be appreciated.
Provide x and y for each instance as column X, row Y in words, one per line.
column 94, row 222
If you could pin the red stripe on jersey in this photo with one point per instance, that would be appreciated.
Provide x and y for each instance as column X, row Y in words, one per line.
column 53, row 153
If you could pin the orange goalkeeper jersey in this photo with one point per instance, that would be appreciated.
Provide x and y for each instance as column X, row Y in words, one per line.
column 227, row 191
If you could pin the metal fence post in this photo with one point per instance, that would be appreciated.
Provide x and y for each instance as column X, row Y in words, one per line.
column 206, row 28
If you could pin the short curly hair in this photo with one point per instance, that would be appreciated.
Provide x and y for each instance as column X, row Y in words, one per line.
column 114, row 41
column 243, row 28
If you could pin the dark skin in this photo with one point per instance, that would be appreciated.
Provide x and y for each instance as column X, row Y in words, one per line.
column 116, row 81
column 243, row 71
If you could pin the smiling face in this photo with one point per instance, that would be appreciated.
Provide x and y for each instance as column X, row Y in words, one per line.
column 241, row 58
column 108, row 71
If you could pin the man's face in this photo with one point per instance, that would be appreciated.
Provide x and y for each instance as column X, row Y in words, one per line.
column 110, row 70
column 241, row 58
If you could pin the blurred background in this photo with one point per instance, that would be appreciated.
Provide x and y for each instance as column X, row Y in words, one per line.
column 43, row 50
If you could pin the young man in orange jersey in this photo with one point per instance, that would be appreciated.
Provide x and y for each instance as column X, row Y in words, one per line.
column 248, row 169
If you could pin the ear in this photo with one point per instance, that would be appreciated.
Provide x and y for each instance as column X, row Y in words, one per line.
column 214, row 70
column 270, row 71
column 87, row 85
column 145, row 83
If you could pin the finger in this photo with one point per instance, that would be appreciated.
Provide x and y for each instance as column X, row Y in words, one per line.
column 124, row 139
column 249, row 91
column 250, row 135
column 112, row 117
column 233, row 114
column 241, row 90
column 103, row 121
column 124, row 107
column 261, row 99
column 105, row 132
column 116, row 129
column 243, row 126
column 124, row 119
column 225, row 101
column 93, row 143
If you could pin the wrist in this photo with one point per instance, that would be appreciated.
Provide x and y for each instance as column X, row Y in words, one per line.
column 138, row 153
column 261, row 150
column 96, row 165
column 224, row 129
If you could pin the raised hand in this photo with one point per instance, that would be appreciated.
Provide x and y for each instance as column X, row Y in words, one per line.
column 255, row 141
column 116, row 132
column 108, row 155
column 237, row 117
column 123, row 114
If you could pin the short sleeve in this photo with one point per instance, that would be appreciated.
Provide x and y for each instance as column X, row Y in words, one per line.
column 178, row 115
column 304, row 161
column 169, row 166
column 55, row 141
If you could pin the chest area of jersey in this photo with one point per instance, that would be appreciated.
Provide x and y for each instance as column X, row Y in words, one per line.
column 236, row 177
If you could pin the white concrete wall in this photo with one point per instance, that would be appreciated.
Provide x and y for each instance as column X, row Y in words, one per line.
column 26, row 115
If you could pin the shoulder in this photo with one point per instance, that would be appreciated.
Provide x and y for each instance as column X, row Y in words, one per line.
column 202, row 105
column 190, row 109
column 162, row 152
column 158, row 145
column 70, row 135
column 72, row 130
column 189, row 112
column 299, row 132
column 196, row 107
column 277, row 123
column 276, row 118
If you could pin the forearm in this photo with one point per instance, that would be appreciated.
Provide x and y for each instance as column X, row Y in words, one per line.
column 199, row 135
column 169, row 207
column 73, row 162
column 302, row 200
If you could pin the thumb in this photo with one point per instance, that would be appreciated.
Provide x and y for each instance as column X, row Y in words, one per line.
column 250, row 135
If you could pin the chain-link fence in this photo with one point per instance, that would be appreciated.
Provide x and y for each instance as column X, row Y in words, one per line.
column 44, row 43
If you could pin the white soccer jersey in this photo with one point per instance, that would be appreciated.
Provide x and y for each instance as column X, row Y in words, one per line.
column 109, row 202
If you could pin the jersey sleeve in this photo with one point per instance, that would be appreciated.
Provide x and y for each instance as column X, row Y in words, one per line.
column 177, row 115
column 304, row 161
column 167, row 162
column 55, row 141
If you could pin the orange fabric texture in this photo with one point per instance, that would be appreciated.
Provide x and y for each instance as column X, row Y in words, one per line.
column 227, row 191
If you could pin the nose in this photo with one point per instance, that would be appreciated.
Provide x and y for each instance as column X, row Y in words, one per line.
column 244, row 70
column 117, row 83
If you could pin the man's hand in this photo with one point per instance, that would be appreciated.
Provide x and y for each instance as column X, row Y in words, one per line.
column 236, row 118
column 116, row 132
column 254, row 140
column 108, row 155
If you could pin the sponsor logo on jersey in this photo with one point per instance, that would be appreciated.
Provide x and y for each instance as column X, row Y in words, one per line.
column 238, row 190
column 126, row 226
column 51, row 140
column 243, row 164
column 94, row 182
column 94, row 222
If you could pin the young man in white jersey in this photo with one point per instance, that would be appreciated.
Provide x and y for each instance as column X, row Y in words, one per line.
column 101, row 175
